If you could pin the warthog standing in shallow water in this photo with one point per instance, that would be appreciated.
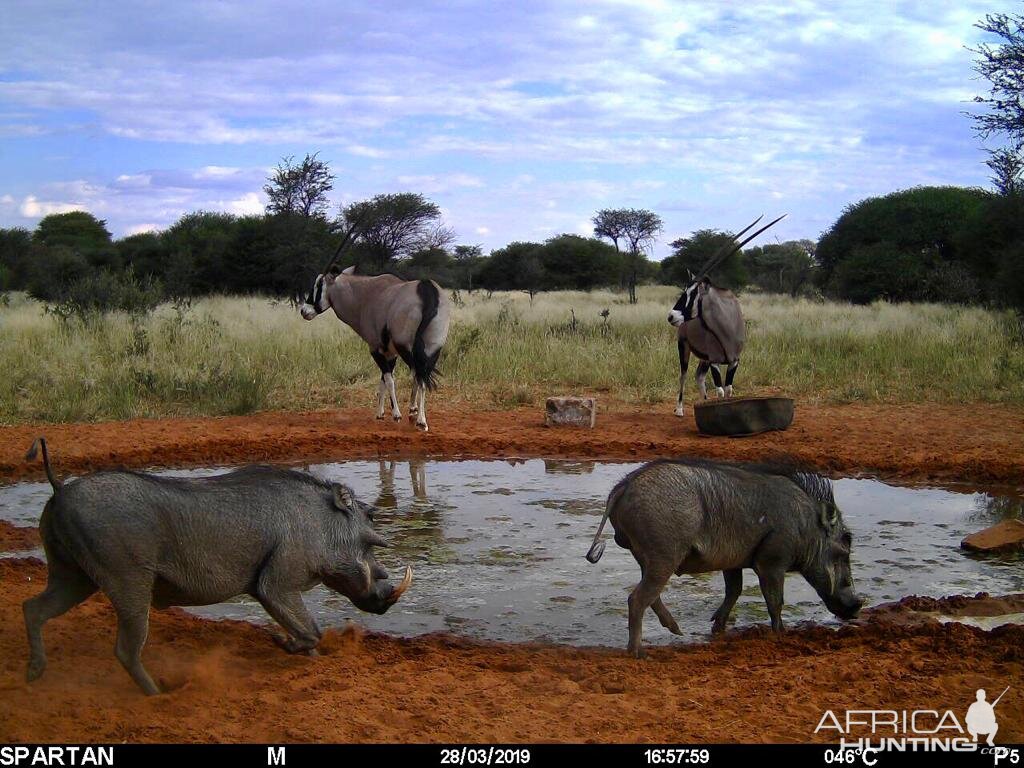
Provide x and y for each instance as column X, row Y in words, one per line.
column 695, row 516
column 145, row 540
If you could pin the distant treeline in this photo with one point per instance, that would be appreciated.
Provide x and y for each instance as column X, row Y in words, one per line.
column 946, row 244
column 278, row 254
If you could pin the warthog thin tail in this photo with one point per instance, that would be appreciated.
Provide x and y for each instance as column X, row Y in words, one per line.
column 40, row 442
column 424, row 365
column 597, row 548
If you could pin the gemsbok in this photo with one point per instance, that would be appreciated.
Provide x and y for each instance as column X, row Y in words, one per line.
column 710, row 324
column 395, row 317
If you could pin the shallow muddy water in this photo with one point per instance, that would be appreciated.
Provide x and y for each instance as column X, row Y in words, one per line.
column 497, row 550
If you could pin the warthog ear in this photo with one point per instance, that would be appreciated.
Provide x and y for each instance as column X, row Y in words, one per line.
column 344, row 498
column 829, row 516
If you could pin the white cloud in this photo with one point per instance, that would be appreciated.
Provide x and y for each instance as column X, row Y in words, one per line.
column 436, row 184
column 139, row 229
column 216, row 172
column 33, row 208
column 248, row 204
column 364, row 151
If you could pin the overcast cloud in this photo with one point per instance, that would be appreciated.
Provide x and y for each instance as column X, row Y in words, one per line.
column 519, row 119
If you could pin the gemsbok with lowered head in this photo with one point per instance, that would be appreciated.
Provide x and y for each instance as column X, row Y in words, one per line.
column 395, row 317
column 710, row 324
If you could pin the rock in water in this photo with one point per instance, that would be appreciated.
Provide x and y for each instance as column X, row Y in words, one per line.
column 570, row 411
column 1001, row 537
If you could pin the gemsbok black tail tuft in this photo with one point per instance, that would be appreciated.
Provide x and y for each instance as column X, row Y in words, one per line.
column 424, row 365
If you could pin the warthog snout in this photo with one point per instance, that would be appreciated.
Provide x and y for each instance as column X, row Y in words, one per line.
column 378, row 594
column 851, row 606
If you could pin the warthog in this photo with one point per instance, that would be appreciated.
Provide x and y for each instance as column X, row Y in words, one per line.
column 694, row 516
column 145, row 540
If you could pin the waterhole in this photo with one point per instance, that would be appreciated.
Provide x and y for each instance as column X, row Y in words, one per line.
column 497, row 550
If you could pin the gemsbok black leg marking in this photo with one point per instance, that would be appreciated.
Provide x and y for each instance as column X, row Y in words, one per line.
column 684, row 364
column 716, row 375
column 729, row 376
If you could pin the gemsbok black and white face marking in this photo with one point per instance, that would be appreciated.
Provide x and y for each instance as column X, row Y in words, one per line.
column 316, row 302
column 683, row 310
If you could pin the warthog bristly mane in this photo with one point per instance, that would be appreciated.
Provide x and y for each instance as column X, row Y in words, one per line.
column 817, row 486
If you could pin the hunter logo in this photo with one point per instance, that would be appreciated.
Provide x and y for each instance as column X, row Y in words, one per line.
column 981, row 717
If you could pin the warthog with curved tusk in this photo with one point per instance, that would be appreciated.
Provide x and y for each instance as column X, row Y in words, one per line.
column 145, row 540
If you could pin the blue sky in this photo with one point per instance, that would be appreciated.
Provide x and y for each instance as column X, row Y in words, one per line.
column 519, row 119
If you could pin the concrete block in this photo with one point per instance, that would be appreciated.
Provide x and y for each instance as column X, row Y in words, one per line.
column 570, row 412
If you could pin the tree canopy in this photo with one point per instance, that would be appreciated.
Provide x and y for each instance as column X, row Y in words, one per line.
column 884, row 247
column 299, row 188
column 395, row 226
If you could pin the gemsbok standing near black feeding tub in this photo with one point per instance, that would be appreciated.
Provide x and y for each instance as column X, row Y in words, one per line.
column 710, row 324
column 395, row 317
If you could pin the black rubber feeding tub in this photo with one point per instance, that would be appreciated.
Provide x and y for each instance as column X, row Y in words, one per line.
column 741, row 416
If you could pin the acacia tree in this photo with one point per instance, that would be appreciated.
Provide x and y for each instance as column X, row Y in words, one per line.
column 638, row 227
column 610, row 223
column 396, row 226
column 1002, row 65
column 299, row 188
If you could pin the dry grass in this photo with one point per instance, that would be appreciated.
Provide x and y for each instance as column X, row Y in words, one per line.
column 236, row 355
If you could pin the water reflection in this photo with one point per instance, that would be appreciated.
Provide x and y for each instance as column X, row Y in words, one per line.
column 386, row 496
column 497, row 550
column 996, row 508
column 566, row 467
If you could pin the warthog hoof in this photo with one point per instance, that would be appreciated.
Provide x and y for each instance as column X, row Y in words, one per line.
column 638, row 652
column 34, row 671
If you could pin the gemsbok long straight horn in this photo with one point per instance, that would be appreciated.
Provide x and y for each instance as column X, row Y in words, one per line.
column 728, row 251
column 344, row 241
